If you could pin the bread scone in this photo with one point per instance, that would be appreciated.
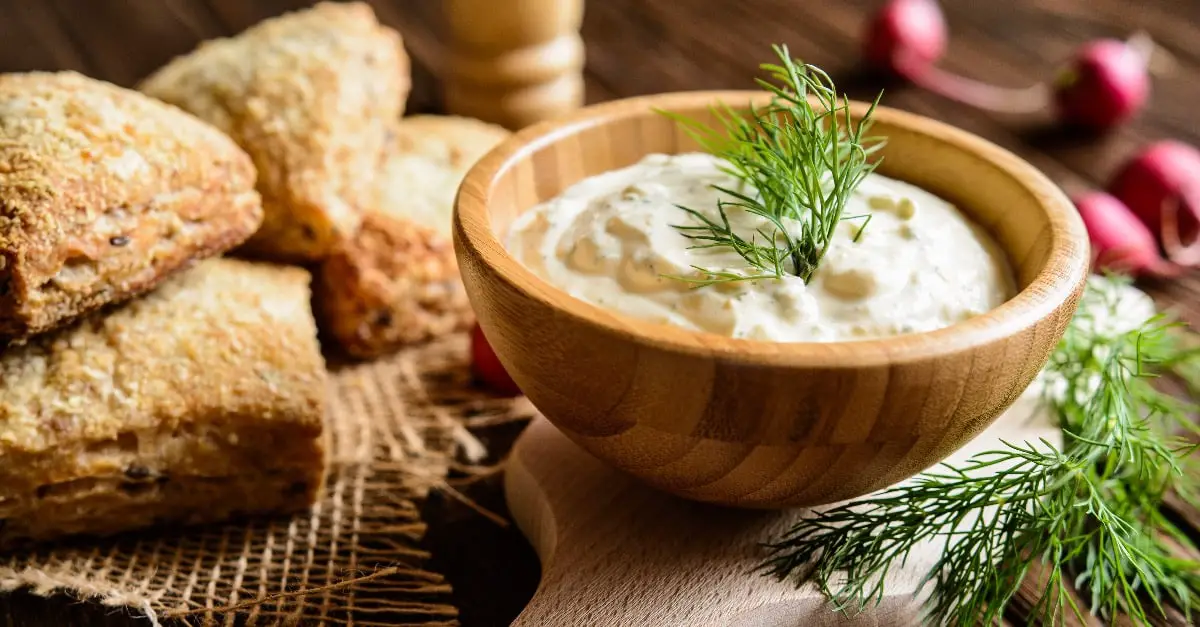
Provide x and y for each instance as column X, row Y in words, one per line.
column 103, row 193
column 396, row 282
column 308, row 95
column 201, row 401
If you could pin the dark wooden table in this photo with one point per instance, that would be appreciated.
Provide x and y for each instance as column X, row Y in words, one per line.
column 645, row 46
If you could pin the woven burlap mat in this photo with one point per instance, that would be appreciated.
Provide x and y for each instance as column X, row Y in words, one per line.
column 396, row 427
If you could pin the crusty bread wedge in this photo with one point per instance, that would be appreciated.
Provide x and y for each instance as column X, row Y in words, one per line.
column 396, row 282
column 103, row 193
column 201, row 401
column 309, row 95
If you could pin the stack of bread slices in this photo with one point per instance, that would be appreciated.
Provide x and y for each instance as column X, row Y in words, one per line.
column 160, row 361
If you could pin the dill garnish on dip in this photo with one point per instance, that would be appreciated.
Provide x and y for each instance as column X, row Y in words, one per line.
column 780, row 231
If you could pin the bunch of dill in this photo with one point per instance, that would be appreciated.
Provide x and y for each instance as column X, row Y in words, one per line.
column 1090, row 510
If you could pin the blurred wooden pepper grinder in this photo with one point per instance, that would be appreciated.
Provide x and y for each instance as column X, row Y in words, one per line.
column 514, row 62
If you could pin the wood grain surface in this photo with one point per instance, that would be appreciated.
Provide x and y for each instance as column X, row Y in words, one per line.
column 617, row 553
column 762, row 424
column 646, row 46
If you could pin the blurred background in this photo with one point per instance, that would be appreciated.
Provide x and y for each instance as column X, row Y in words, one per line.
column 644, row 46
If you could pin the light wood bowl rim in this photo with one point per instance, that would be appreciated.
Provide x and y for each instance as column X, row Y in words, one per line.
column 1058, row 281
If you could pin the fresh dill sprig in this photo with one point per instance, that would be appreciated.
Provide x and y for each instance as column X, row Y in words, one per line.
column 1090, row 511
column 797, row 160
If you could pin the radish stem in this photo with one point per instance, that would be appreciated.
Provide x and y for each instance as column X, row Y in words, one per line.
column 978, row 94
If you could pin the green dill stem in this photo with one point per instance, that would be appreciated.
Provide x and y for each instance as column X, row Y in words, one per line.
column 1090, row 512
column 799, row 159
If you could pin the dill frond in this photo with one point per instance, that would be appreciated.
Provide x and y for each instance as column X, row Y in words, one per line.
column 1090, row 511
column 797, row 159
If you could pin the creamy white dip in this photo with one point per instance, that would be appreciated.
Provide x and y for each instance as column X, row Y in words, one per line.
column 612, row 240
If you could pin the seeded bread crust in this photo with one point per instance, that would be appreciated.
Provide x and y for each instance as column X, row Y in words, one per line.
column 105, row 192
column 203, row 400
column 309, row 95
column 396, row 282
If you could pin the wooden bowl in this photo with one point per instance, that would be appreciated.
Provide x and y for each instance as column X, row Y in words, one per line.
column 752, row 423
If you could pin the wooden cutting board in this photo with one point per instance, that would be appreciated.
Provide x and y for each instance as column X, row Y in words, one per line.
column 614, row 552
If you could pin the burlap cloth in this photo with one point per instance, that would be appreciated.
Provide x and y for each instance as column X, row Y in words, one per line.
column 396, row 426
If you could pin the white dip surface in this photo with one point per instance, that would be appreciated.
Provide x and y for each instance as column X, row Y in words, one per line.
column 610, row 240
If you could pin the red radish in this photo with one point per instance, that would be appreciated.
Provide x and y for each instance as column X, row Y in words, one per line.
column 906, row 35
column 1120, row 242
column 1107, row 82
column 1161, row 185
column 487, row 367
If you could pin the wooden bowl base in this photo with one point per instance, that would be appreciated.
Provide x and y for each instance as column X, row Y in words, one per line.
column 615, row 552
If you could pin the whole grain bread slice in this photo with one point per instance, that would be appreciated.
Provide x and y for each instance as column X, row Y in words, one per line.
column 201, row 401
column 309, row 95
column 105, row 192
